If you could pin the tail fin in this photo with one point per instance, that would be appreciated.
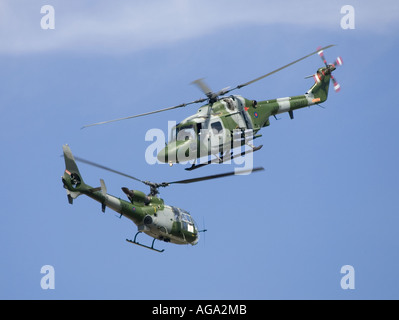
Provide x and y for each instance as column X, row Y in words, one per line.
column 322, row 83
column 71, row 179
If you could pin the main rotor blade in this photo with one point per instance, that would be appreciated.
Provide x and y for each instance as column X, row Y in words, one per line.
column 215, row 176
column 106, row 168
column 165, row 184
column 145, row 114
column 200, row 83
column 281, row 68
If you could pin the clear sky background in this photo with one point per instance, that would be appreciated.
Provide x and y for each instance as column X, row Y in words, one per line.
column 328, row 196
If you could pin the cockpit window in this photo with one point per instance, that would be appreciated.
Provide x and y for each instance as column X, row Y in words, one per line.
column 185, row 132
column 216, row 127
column 187, row 222
column 176, row 212
column 186, row 217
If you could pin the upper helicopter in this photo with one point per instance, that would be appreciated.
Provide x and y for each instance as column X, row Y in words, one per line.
column 227, row 123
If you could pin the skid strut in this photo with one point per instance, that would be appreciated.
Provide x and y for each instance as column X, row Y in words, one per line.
column 143, row 245
column 224, row 159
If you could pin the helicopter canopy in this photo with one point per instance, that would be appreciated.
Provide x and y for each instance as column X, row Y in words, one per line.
column 187, row 221
column 183, row 132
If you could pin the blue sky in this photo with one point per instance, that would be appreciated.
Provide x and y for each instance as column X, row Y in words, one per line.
column 327, row 198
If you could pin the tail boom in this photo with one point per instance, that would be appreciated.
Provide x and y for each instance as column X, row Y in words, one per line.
column 318, row 93
column 75, row 186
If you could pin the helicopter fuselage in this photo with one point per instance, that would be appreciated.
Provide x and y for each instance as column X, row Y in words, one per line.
column 232, row 122
column 149, row 213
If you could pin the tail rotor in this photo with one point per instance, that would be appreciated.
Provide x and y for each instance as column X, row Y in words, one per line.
column 337, row 86
column 330, row 67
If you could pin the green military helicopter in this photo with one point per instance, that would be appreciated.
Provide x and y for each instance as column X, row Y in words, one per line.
column 149, row 212
column 226, row 123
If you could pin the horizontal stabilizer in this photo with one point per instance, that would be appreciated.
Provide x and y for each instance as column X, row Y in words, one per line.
column 72, row 195
column 95, row 189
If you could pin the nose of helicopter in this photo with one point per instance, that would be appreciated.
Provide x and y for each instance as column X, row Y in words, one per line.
column 196, row 240
column 176, row 152
column 161, row 156
column 167, row 155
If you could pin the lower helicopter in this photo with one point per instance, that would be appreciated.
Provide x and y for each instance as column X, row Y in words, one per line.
column 149, row 212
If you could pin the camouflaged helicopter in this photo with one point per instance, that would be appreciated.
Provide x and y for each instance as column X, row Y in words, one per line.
column 226, row 123
column 149, row 212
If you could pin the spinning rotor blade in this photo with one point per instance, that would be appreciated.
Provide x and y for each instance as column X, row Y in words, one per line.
column 145, row 114
column 337, row 87
column 203, row 86
column 212, row 96
column 215, row 176
column 321, row 54
column 106, row 168
column 279, row 69
column 338, row 62
column 154, row 186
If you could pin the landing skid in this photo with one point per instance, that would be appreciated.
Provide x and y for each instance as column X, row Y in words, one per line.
column 223, row 159
column 143, row 245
